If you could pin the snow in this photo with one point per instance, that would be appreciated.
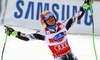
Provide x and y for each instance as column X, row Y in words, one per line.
column 16, row 49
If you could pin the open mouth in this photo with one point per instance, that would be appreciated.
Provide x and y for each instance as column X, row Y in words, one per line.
column 52, row 21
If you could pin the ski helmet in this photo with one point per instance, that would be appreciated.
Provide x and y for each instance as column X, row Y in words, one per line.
column 44, row 16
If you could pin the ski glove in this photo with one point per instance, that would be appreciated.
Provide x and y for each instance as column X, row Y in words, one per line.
column 10, row 31
column 85, row 5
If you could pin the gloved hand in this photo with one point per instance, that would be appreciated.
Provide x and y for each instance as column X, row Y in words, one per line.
column 10, row 31
column 89, row 2
column 86, row 4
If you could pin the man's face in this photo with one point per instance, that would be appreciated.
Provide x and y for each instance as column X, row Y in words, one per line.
column 51, row 21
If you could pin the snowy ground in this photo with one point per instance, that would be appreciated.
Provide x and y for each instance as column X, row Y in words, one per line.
column 17, row 49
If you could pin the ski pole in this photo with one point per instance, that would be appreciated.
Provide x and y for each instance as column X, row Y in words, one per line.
column 91, row 11
column 4, row 46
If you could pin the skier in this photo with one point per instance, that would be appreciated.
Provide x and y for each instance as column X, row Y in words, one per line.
column 54, row 33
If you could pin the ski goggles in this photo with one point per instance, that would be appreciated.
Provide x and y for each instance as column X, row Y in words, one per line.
column 48, row 15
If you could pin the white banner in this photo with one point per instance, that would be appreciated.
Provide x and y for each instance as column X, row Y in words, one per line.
column 26, row 13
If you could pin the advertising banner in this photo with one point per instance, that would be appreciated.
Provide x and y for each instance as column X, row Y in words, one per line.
column 26, row 13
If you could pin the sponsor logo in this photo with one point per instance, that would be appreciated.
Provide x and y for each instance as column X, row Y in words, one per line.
column 59, row 36
column 62, row 46
column 32, row 10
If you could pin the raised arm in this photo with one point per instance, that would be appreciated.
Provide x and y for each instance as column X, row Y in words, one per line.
column 68, row 23
column 23, row 36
